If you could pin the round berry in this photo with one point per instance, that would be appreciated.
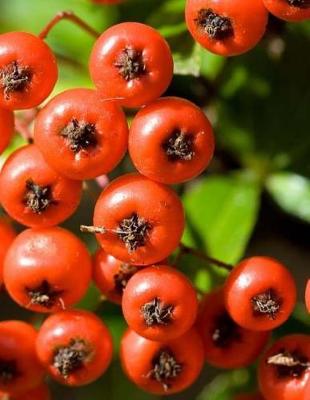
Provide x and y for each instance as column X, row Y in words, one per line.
column 307, row 296
column 289, row 10
column 171, row 140
column 226, row 27
column 28, row 70
column 7, row 235
column 111, row 275
column 260, row 293
column 47, row 269
column 34, row 194
column 163, row 367
column 156, row 303
column 38, row 393
column 285, row 369
column 75, row 347
column 226, row 344
column 80, row 135
column 143, row 220
column 6, row 128
column 20, row 369
column 133, row 62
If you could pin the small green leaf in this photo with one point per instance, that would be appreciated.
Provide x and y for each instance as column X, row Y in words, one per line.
column 292, row 193
column 221, row 214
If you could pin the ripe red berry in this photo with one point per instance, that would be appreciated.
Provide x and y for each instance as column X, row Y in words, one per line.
column 171, row 140
column 47, row 269
column 20, row 369
column 131, row 61
column 28, row 70
column 226, row 344
column 38, row 393
column 226, row 27
column 111, row 275
column 163, row 367
column 160, row 303
column 289, row 10
column 33, row 193
column 260, row 293
column 6, row 128
column 80, row 135
column 75, row 347
column 7, row 235
column 143, row 220
column 285, row 369
column 307, row 296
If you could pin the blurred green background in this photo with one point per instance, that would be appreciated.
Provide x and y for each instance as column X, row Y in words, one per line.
column 255, row 197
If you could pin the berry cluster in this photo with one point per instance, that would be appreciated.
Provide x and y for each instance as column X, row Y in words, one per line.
column 138, row 221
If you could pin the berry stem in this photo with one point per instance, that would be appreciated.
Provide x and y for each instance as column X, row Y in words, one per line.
column 199, row 254
column 70, row 16
column 93, row 229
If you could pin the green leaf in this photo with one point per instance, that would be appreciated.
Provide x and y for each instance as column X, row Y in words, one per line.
column 221, row 214
column 292, row 193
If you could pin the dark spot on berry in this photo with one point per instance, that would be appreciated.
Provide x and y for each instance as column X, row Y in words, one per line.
column 299, row 3
column 133, row 231
column 71, row 358
column 79, row 135
column 130, row 64
column 266, row 303
column 8, row 371
column 179, row 146
column 14, row 78
column 38, row 198
column 225, row 331
column 157, row 313
column 44, row 295
column 214, row 25
column 289, row 364
column 165, row 368
column 126, row 271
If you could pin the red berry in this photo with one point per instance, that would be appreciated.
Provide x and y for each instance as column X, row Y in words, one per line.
column 111, row 275
column 47, row 269
column 81, row 136
column 19, row 366
column 75, row 347
column 226, row 344
column 28, row 70
column 7, row 235
column 160, row 303
column 171, row 140
column 285, row 369
column 260, row 293
column 226, row 27
column 38, row 393
column 307, row 296
column 6, row 127
column 131, row 61
column 33, row 193
column 143, row 220
column 289, row 10
column 163, row 367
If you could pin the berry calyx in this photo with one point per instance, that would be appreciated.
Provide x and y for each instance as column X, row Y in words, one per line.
column 121, row 278
column 14, row 78
column 225, row 331
column 44, row 295
column 215, row 25
column 8, row 371
column 299, row 3
column 156, row 312
column 179, row 146
column 133, row 231
column 289, row 364
column 70, row 358
column 37, row 198
column 267, row 303
column 80, row 135
column 165, row 368
column 130, row 64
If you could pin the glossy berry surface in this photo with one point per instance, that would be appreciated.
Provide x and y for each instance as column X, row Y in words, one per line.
column 226, row 27
column 163, row 367
column 81, row 135
column 171, row 140
column 307, row 296
column 260, row 293
column 289, row 10
column 33, row 193
column 156, row 303
column 6, row 128
column 7, row 235
column 284, row 370
column 143, row 219
column 226, row 344
column 20, row 369
column 28, row 70
column 133, row 62
column 38, row 393
column 75, row 347
column 47, row 269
